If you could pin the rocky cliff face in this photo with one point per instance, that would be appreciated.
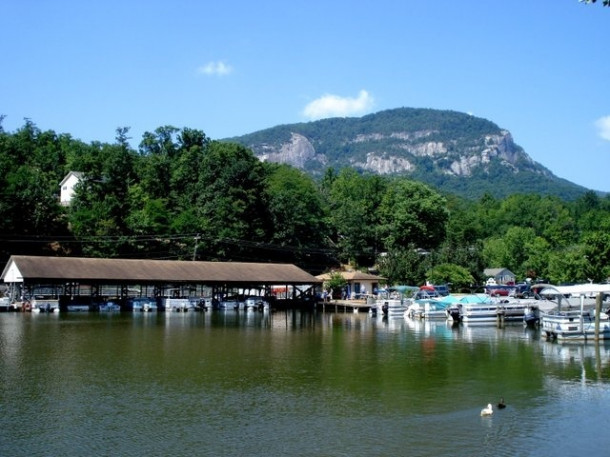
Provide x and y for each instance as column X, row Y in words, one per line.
column 296, row 152
column 401, row 152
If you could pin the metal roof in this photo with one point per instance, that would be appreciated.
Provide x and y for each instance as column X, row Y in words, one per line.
column 33, row 268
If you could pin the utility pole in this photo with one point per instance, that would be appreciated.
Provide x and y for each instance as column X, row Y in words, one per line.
column 197, row 238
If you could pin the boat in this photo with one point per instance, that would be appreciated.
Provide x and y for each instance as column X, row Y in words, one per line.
column 427, row 309
column 142, row 304
column 393, row 308
column 109, row 306
column 5, row 303
column 393, row 303
column 513, row 310
column 44, row 305
column 256, row 303
column 480, row 313
column 179, row 305
column 475, row 309
column 77, row 307
column 579, row 322
column 531, row 315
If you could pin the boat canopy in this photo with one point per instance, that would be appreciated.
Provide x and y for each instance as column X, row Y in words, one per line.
column 475, row 298
column 574, row 290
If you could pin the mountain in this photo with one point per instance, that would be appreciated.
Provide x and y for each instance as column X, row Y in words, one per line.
column 451, row 151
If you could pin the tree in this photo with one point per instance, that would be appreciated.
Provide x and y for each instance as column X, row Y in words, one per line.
column 30, row 171
column 597, row 255
column 412, row 213
column 404, row 266
column 448, row 273
column 231, row 209
column 297, row 217
column 604, row 2
column 354, row 202
column 336, row 283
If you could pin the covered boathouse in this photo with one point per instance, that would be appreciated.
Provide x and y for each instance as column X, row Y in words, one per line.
column 71, row 279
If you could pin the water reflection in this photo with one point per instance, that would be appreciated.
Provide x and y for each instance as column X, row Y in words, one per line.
column 292, row 383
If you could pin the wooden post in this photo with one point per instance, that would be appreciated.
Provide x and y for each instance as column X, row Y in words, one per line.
column 598, row 311
column 500, row 318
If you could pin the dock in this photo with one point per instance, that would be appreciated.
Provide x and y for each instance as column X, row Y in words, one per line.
column 345, row 306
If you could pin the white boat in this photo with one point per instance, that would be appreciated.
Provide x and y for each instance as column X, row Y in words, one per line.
column 179, row 305
column 479, row 313
column 477, row 309
column 44, row 305
column 142, row 304
column 513, row 310
column 256, row 303
column 473, row 309
column 5, row 303
column 427, row 309
column 579, row 323
column 575, row 325
column 393, row 303
column 395, row 308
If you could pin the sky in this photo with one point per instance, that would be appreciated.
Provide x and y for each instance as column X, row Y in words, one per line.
column 539, row 69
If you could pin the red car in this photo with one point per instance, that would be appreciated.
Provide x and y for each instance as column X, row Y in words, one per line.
column 497, row 291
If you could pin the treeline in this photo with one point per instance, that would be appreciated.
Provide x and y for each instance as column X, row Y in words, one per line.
column 181, row 195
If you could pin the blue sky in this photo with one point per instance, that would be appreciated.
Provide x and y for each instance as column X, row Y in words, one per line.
column 539, row 69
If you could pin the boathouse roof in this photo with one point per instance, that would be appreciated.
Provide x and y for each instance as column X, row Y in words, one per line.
column 59, row 269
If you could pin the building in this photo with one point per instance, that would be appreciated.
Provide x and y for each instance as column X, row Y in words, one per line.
column 75, row 278
column 358, row 283
column 500, row 275
column 67, row 186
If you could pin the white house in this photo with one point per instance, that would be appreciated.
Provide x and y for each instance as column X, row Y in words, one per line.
column 358, row 283
column 67, row 186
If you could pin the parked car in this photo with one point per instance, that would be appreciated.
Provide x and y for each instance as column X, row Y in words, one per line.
column 442, row 289
column 497, row 291
column 523, row 291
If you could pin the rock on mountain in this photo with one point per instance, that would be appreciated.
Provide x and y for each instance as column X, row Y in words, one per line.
column 453, row 151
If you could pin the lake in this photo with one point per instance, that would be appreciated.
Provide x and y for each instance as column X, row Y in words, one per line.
column 229, row 383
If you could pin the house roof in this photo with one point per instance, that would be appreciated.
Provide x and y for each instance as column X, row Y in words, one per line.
column 55, row 269
column 77, row 174
column 497, row 271
column 352, row 276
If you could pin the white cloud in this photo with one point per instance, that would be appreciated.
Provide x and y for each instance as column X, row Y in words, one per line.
column 603, row 127
column 335, row 106
column 219, row 68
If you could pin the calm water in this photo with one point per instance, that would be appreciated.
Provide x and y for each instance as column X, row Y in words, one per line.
column 292, row 384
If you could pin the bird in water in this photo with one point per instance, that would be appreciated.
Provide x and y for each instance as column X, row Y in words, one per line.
column 501, row 404
column 487, row 411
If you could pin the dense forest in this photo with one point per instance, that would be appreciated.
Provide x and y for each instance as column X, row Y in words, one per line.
column 181, row 195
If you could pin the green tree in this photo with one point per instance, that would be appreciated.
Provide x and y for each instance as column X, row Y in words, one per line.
column 231, row 208
column 567, row 265
column 30, row 172
column 412, row 213
column 406, row 266
column 354, row 202
column 336, row 283
column 297, row 217
column 448, row 273
column 596, row 247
